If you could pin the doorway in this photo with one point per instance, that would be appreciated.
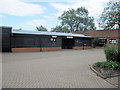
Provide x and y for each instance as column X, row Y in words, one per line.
column 67, row 43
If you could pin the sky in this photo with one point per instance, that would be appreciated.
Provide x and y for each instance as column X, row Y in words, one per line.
column 28, row 14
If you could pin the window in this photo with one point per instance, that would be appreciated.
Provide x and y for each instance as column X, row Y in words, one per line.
column 87, row 42
column 102, row 41
column 112, row 41
column 78, row 42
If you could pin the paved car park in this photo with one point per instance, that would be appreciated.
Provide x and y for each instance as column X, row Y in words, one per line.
column 52, row 69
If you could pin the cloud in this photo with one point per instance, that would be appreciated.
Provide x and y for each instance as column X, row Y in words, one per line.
column 50, row 0
column 60, row 7
column 19, row 8
column 95, row 7
column 36, row 23
column 52, row 21
column 47, row 21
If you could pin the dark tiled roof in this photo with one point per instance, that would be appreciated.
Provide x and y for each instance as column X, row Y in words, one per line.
column 101, row 33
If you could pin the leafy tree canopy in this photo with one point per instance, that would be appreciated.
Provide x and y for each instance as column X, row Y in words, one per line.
column 60, row 28
column 41, row 28
column 110, row 17
column 77, row 20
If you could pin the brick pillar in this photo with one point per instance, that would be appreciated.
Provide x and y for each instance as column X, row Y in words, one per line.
column 107, row 41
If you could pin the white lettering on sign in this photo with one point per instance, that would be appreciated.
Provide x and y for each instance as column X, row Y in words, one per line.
column 54, row 36
column 69, row 37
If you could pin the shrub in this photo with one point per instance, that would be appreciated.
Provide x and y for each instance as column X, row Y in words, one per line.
column 95, row 42
column 111, row 52
column 97, row 64
column 118, row 56
column 111, row 65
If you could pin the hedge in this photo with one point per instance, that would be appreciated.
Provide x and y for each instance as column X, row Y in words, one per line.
column 112, row 52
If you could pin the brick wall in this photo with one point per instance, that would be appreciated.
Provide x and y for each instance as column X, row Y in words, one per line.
column 35, row 49
column 44, row 49
column 25, row 49
column 85, row 47
column 50, row 48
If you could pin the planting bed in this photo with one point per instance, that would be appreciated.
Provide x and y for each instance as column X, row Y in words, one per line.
column 105, row 73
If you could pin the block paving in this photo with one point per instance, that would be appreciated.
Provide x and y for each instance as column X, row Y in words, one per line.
column 52, row 69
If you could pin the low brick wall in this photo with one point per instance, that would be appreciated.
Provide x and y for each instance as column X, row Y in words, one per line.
column 77, row 47
column 85, row 47
column 44, row 49
column 35, row 49
column 50, row 48
column 25, row 49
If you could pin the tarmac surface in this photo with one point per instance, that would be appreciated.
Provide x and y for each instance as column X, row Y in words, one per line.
column 52, row 69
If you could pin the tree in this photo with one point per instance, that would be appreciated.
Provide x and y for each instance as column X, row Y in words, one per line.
column 83, row 21
column 77, row 20
column 60, row 29
column 110, row 17
column 20, row 28
column 41, row 28
column 68, row 19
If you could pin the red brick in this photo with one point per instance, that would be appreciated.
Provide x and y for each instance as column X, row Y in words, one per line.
column 25, row 49
column 50, row 48
column 77, row 47
column 35, row 49
column 85, row 47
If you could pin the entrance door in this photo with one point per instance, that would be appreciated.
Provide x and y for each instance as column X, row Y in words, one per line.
column 67, row 43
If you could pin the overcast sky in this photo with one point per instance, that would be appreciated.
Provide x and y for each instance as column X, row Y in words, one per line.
column 27, row 14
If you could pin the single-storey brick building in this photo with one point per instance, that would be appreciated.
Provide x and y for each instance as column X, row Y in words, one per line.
column 105, row 36
column 26, row 40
